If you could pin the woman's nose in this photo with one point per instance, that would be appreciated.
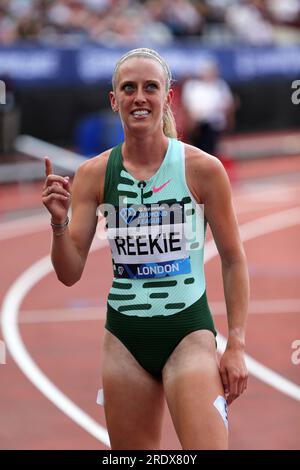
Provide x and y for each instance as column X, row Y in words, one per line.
column 140, row 96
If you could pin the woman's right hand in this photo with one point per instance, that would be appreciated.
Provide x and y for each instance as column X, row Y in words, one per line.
column 56, row 195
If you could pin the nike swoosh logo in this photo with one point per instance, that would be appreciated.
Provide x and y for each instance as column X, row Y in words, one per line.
column 156, row 190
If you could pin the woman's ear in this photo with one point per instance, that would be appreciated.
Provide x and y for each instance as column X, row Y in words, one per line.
column 169, row 99
column 170, row 96
column 113, row 102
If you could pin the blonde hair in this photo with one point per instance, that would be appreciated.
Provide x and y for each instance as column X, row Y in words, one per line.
column 169, row 124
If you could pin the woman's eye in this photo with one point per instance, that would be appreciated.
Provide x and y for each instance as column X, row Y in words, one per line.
column 128, row 88
column 152, row 86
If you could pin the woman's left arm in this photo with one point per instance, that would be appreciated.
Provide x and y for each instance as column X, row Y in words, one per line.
column 219, row 212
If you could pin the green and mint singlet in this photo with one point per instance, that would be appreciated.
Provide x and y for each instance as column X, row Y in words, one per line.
column 156, row 233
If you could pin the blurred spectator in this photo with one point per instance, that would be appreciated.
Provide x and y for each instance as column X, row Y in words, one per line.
column 287, row 12
column 215, row 10
column 181, row 17
column 247, row 21
column 28, row 28
column 113, row 22
column 209, row 105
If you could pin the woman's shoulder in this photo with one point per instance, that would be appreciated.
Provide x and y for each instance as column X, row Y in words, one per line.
column 204, row 173
column 201, row 162
column 95, row 165
column 92, row 174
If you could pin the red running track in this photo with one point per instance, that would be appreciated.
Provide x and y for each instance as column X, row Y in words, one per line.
column 62, row 328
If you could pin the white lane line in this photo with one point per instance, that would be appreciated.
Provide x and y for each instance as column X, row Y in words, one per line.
column 270, row 223
column 250, row 194
column 68, row 314
column 258, row 227
column 248, row 231
column 17, row 349
column 23, row 226
column 39, row 222
column 265, row 374
column 36, row 272
column 261, row 307
column 260, row 199
column 62, row 315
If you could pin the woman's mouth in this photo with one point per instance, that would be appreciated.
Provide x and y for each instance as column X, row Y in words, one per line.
column 140, row 113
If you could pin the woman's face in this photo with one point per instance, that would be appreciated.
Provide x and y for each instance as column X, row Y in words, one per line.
column 140, row 94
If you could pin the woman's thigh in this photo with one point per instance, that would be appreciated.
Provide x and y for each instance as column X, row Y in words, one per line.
column 192, row 385
column 133, row 399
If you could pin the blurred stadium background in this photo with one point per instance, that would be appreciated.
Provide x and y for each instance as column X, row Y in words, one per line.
column 56, row 61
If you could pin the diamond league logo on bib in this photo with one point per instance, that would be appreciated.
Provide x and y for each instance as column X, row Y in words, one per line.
column 127, row 214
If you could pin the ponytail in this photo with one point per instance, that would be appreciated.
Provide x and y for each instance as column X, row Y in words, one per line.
column 169, row 124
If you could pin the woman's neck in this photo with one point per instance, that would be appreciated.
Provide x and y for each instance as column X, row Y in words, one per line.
column 144, row 151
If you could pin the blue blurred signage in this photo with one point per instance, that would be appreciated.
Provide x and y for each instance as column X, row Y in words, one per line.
column 32, row 65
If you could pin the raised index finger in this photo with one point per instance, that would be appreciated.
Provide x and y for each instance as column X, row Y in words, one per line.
column 48, row 166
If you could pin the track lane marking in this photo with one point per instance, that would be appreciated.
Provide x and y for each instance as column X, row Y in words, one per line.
column 37, row 271
column 20, row 354
column 40, row 222
column 71, row 314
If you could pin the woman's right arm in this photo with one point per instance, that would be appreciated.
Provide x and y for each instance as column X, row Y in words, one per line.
column 70, row 245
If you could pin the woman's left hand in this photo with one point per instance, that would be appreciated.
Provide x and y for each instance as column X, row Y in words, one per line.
column 234, row 373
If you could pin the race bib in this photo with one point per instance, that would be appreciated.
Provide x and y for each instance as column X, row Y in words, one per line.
column 149, row 241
